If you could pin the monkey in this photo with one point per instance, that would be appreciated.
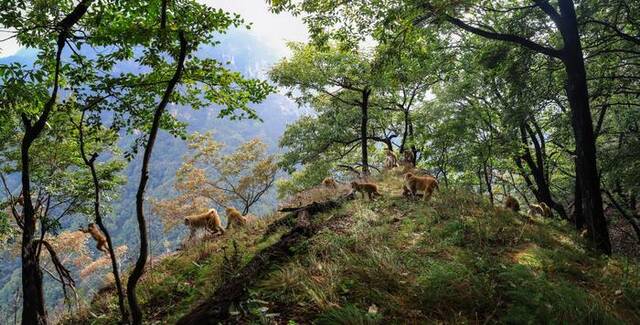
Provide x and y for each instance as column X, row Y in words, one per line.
column 426, row 184
column 209, row 220
column 98, row 236
column 329, row 182
column 408, row 158
column 369, row 188
column 391, row 160
column 546, row 210
column 234, row 217
column 511, row 203
column 535, row 209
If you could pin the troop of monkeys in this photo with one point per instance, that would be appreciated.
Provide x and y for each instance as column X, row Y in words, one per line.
column 391, row 161
column 412, row 185
column 426, row 184
column 209, row 221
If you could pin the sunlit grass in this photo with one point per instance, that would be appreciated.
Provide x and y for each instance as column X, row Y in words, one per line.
column 454, row 259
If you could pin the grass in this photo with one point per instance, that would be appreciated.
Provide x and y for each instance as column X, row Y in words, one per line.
column 455, row 259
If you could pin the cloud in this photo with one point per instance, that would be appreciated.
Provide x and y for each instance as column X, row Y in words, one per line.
column 273, row 29
column 8, row 46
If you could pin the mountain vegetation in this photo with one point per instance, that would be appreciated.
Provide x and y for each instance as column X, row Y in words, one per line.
column 497, row 143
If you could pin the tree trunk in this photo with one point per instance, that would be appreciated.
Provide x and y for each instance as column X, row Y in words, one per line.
column 578, row 97
column 90, row 162
column 33, row 310
column 413, row 146
column 363, row 130
column 137, row 271
column 405, row 132
column 488, row 182
column 577, row 215
column 542, row 190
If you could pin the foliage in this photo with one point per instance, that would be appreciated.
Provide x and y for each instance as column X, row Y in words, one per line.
column 82, row 48
column 503, row 120
column 211, row 176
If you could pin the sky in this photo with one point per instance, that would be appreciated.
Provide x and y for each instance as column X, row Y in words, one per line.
column 274, row 30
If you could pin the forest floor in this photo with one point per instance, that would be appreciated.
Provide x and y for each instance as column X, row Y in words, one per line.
column 455, row 259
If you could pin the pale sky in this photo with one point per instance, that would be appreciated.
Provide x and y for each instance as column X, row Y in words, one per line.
column 274, row 30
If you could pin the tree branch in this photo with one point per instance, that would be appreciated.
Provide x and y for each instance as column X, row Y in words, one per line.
column 504, row 37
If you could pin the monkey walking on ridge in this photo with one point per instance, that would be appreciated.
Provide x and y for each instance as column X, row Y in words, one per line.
column 209, row 220
column 234, row 217
column 370, row 188
column 541, row 209
column 426, row 184
column 98, row 236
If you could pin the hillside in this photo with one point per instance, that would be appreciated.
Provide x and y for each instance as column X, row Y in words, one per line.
column 456, row 259
column 247, row 55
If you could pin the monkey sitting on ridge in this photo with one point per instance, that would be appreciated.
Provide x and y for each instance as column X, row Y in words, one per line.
column 408, row 158
column 391, row 160
column 329, row 182
column 414, row 183
column 234, row 217
column 209, row 220
column 98, row 236
column 511, row 203
column 370, row 188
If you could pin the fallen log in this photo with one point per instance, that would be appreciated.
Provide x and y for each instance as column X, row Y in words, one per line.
column 316, row 207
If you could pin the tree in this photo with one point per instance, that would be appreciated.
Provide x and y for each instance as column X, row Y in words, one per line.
column 34, row 122
column 210, row 176
column 182, row 30
column 80, row 46
column 538, row 27
column 331, row 76
column 61, row 190
column 98, row 135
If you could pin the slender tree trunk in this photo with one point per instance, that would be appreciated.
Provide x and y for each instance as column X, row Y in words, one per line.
column 578, row 97
column 488, row 182
column 577, row 215
column 363, row 130
column 633, row 219
column 138, row 270
column 405, row 132
column 90, row 162
column 541, row 190
column 413, row 146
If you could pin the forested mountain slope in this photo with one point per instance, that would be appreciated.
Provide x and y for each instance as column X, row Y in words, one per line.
column 455, row 259
column 245, row 54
